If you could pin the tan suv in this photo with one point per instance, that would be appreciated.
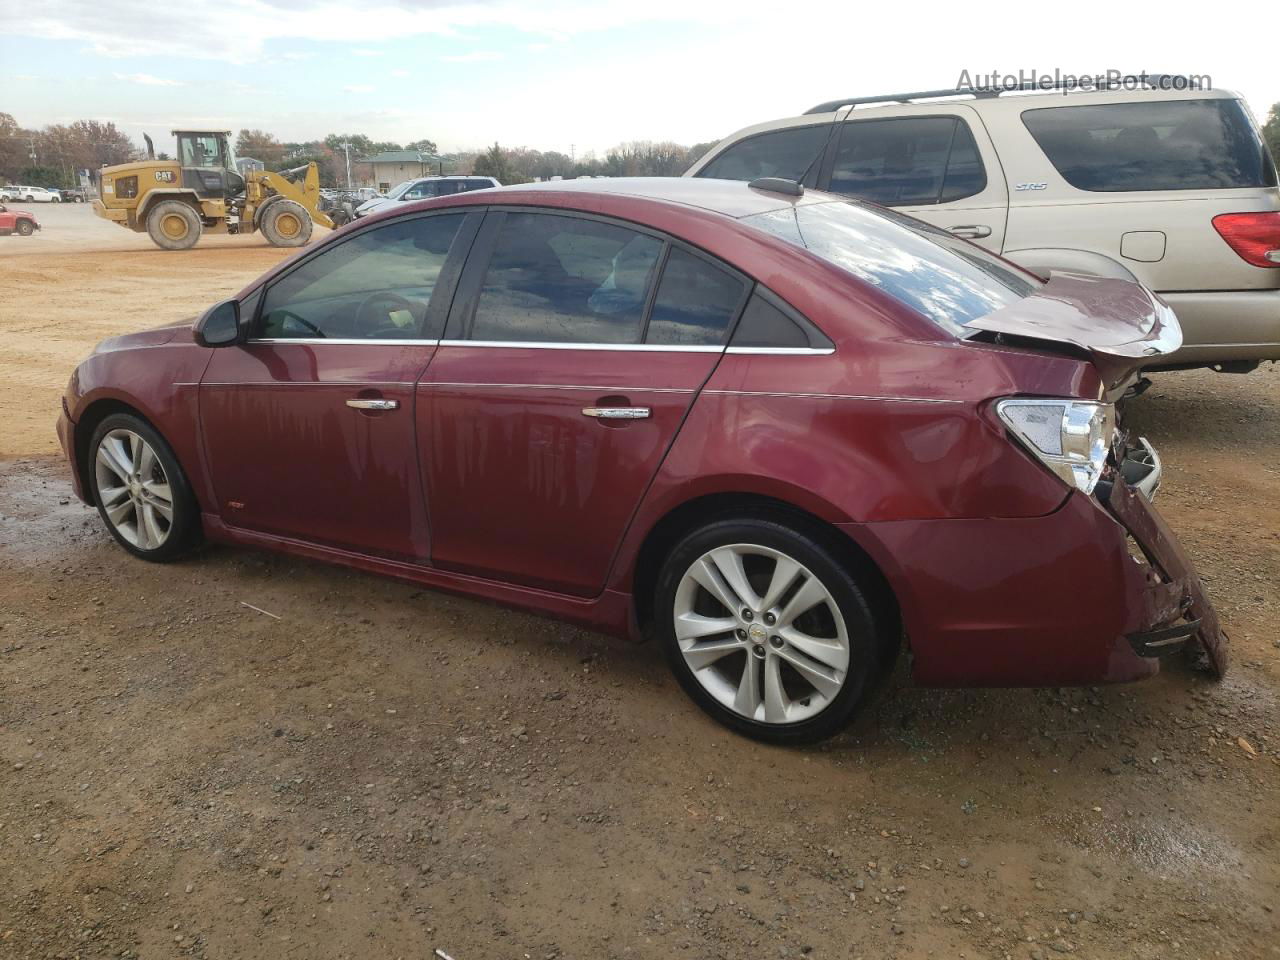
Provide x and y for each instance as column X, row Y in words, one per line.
column 1174, row 188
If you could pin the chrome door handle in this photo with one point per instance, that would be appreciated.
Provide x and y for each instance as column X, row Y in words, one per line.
column 374, row 404
column 616, row 413
column 972, row 231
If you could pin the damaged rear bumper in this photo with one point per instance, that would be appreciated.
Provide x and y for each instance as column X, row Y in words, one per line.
column 1098, row 591
column 1172, row 610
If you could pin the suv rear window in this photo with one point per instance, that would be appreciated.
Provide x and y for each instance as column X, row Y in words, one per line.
column 786, row 153
column 946, row 279
column 1156, row 145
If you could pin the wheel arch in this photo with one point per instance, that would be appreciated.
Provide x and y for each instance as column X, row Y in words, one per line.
column 1041, row 260
column 698, row 511
column 156, row 196
column 93, row 414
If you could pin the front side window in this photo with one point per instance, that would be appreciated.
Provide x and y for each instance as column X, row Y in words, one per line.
column 945, row 279
column 788, row 153
column 695, row 304
column 423, row 190
column 375, row 285
column 1153, row 145
column 561, row 279
column 907, row 161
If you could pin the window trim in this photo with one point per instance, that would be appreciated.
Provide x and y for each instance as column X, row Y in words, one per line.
column 447, row 283
column 829, row 163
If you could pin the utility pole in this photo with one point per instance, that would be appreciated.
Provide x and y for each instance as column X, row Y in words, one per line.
column 347, row 149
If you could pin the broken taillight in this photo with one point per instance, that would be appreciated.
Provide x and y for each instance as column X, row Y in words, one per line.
column 1254, row 236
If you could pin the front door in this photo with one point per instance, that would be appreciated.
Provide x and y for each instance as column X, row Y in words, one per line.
column 573, row 352
column 309, row 426
column 934, row 163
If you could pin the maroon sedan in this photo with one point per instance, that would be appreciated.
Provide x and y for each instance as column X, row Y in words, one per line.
column 782, row 433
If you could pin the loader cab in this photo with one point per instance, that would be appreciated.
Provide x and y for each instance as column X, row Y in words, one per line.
column 208, row 163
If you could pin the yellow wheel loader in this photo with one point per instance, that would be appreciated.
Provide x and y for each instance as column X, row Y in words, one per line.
column 175, row 201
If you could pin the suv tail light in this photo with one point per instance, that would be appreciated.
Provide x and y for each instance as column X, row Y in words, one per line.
column 1254, row 236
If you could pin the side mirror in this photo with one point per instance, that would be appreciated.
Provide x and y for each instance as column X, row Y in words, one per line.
column 220, row 325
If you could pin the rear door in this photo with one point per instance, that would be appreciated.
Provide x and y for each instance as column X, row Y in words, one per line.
column 574, row 349
column 935, row 163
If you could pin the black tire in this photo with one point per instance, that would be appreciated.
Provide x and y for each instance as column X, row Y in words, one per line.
column 56, row 200
column 25, row 229
column 183, row 533
column 814, row 549
column 286, row 223
column 174, row 225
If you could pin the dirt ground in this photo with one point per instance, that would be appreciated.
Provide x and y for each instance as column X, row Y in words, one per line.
column 379, row 771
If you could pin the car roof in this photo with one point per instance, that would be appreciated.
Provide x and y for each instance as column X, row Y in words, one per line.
column 731, row 198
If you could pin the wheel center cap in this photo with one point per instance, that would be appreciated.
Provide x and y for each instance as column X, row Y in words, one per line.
column 757, row 633
column 135, row 487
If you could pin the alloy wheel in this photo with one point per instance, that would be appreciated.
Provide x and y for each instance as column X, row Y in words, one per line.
column 761, row 633
column 134, row 489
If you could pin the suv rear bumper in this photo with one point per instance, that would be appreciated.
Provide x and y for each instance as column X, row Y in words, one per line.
column 1090, row 593
column 1225, row 325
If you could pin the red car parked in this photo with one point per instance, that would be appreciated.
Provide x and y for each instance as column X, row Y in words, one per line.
column 782, row 433
column 17, row 221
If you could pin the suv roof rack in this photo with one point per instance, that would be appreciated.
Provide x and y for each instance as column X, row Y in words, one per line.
column 1164, row 81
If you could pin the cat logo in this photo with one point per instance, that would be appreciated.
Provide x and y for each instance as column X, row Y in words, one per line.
column 165, row 176
column 1031, row 186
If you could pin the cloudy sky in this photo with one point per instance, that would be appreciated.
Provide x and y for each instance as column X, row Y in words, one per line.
column 562, row 73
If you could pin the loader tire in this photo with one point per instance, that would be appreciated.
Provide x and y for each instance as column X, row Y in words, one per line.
column 286, row 223
column 173, row 225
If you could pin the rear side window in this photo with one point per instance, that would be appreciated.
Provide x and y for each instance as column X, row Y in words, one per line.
column 1157, row 145
column 942, row 277
column 769, row 322
column 785, row 153
column 908, row 161
column 558, row 279
column 695, row 304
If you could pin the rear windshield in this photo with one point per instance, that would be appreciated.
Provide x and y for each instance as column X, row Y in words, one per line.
column 950, row 281
column 1156, row 145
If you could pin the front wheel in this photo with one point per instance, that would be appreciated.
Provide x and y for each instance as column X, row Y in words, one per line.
column 286, row 223
column 767, row 630
column 25, row 229
column 142, row 494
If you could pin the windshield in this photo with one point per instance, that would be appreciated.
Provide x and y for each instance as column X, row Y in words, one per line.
column 399, row 190
column 946, row 279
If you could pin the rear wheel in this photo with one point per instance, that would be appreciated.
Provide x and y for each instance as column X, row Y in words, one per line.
column 142, row 494
column 24, row 228
column 286, row 223
column 173, row 225
column 766, row 630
